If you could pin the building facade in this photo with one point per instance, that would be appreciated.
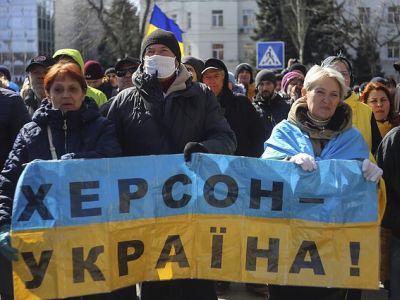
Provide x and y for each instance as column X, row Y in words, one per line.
column 381, row 18
column 26, row 30
column 220, row 29
column 223, row 28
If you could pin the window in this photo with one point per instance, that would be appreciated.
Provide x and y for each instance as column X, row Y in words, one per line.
column 393, row 49
column 248, row 18
column 218, row 51
column 217, row 18
column 189, row 20
column 364, row 14
column 393, row 14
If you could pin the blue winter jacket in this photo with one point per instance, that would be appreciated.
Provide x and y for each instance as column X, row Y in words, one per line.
column 75, row 134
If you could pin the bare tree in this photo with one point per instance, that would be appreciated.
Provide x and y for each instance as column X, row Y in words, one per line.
column 368, row 30
column 297, row 17
column 85, row 28
column 306, row 26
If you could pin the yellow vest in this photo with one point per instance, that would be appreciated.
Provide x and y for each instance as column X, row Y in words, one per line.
column 362, row 121
column 361, row 117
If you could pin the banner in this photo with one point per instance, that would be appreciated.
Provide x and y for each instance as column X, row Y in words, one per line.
column 92, row 226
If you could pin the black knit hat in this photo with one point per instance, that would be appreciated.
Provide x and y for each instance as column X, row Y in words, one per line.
column 298, row 67
column 244, row 67
column 164, row 37
column 265, row 75
column 197, row 64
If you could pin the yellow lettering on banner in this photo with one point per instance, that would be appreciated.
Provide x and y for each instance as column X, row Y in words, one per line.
column 103, row 257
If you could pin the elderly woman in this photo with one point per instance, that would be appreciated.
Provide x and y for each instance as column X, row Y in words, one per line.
column 318, row 127
column 377, row 96
column 66, row 126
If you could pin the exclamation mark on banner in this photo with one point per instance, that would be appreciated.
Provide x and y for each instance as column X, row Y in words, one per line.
column 355, row 257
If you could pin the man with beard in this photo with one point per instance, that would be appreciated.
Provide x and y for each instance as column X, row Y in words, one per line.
column 36, row 70
column 270, row 106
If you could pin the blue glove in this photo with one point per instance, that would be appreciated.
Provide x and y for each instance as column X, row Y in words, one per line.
column 5, row 248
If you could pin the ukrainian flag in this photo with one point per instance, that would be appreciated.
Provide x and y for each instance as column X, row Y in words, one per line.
column 159, row 20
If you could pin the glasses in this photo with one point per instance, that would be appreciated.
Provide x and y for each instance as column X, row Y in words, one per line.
column 122, row 73
column 376, row 102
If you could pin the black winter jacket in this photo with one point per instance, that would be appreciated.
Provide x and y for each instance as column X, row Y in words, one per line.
column 244, row 121
column 13, row 115
column 271, row 113
column 190, row 114
column 77, row 134
column 388, row 158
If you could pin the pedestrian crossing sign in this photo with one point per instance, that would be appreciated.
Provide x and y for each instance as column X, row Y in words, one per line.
column 270, row 55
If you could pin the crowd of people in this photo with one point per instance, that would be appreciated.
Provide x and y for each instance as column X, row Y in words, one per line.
column 162, row 103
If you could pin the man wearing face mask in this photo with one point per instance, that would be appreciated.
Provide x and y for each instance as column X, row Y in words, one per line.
column 270, row 106
column 166, row 113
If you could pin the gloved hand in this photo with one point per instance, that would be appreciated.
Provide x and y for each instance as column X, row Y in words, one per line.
column 5, row 248
column 371, row 171
column 306, row 161
column 193, row 147
column 67, row 156
column 150, row 91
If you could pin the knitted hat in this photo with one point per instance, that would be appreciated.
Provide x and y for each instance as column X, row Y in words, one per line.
column 197, row 64
column 5, row 71
column 244, row 67
column 164, row 37
column 93, row 70
column 265, row 75
column 299, row 67
column 289, row 77
column 330, row 60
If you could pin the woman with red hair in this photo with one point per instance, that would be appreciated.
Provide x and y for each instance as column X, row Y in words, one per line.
column 377, row 96
column 67, row 125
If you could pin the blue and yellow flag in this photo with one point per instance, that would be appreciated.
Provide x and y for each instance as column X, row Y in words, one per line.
column 159, row 20
column 89, row 226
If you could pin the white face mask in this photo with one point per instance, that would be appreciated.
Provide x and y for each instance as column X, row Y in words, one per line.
column 164, row 65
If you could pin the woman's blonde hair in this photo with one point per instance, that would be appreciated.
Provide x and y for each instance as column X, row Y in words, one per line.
column 316, row 73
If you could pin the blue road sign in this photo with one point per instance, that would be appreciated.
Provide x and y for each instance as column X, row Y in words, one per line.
column 270, row 55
